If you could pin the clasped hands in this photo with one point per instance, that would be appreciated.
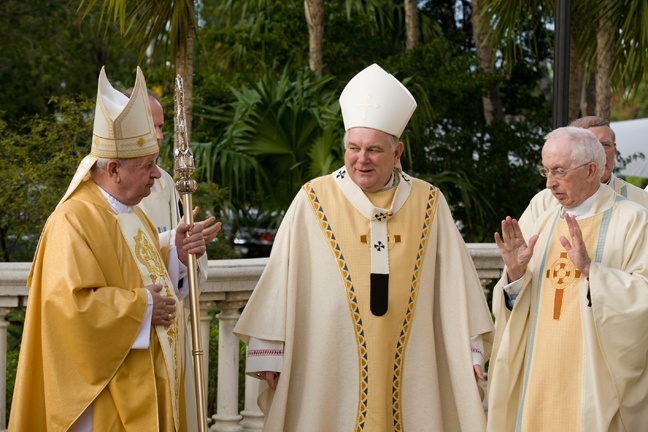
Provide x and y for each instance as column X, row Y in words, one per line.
column 516, row 252
column 164, row 307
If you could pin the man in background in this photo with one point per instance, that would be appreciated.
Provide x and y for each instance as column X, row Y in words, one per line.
column 606, row 136
column 163, row 205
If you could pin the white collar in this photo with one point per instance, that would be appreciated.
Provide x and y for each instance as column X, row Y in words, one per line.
column 114, row 204
column 583, row 208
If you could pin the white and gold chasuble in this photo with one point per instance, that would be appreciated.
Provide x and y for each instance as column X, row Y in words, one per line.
column 346, row 368
column 381, row 340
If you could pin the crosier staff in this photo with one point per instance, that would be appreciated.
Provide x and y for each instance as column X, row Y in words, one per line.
column 184, row 168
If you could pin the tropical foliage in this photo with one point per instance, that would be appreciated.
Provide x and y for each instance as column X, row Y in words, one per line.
column 264, row 123
column 277, row 133
column 609, row 43
column 39, row 159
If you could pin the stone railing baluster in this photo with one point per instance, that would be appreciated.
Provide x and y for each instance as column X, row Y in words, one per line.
column 227, row 417
column 252, row 415
column 3, row 363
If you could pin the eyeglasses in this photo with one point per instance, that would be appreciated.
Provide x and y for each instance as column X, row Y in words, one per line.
column 558, row 172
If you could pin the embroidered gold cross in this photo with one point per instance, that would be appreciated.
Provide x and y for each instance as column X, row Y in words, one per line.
column 561, row 274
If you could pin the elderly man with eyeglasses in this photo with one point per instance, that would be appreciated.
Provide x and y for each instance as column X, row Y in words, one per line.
column 571, row 310
column 545, row 200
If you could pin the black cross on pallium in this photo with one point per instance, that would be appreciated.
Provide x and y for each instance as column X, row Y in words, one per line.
column 341, row 174
column 379, row 246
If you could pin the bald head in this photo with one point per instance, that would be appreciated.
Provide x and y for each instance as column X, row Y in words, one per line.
column 573, row 163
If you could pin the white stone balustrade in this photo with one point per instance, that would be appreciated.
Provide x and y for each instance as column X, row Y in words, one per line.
column 229, row 286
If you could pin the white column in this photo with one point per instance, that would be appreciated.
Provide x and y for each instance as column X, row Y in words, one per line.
column 205, row 329
column 3, row 367
column 252, row 415
column 227, row 417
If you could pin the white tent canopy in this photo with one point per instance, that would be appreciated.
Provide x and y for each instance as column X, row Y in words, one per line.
column 631, row 138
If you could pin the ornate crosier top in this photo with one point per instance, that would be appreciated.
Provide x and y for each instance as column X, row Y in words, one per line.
column 184, row 162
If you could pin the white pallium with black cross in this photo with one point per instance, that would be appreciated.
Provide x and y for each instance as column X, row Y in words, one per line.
column 378, row 220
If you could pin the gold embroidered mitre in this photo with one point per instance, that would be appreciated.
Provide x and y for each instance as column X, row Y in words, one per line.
column 123, row 127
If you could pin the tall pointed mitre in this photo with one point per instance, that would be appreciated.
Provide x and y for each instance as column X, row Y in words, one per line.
column 376, row 99
column 123, row 127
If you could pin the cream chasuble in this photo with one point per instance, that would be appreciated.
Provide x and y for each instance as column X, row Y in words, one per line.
column 585, row 370
column 630, row 191
column 345, row 367
column 382, row 337
column 377, row 208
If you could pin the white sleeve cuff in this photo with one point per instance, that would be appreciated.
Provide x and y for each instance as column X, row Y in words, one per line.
column 512, row 289
column 477, row 350
column 143, row 336
column 263, row 355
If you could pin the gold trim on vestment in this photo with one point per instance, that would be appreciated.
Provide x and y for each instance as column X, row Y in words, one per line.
column 151, row 267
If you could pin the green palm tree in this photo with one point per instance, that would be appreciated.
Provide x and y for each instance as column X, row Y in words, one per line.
column 156, row 24
column 278, row 133
column 613, row 42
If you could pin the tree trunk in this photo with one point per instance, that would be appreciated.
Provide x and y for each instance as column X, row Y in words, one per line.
column 590, row 95
column 491, row 99
column 604, row 48
column 575, row 81
column 184, row 67
column 412, row 24
column 314, row 10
